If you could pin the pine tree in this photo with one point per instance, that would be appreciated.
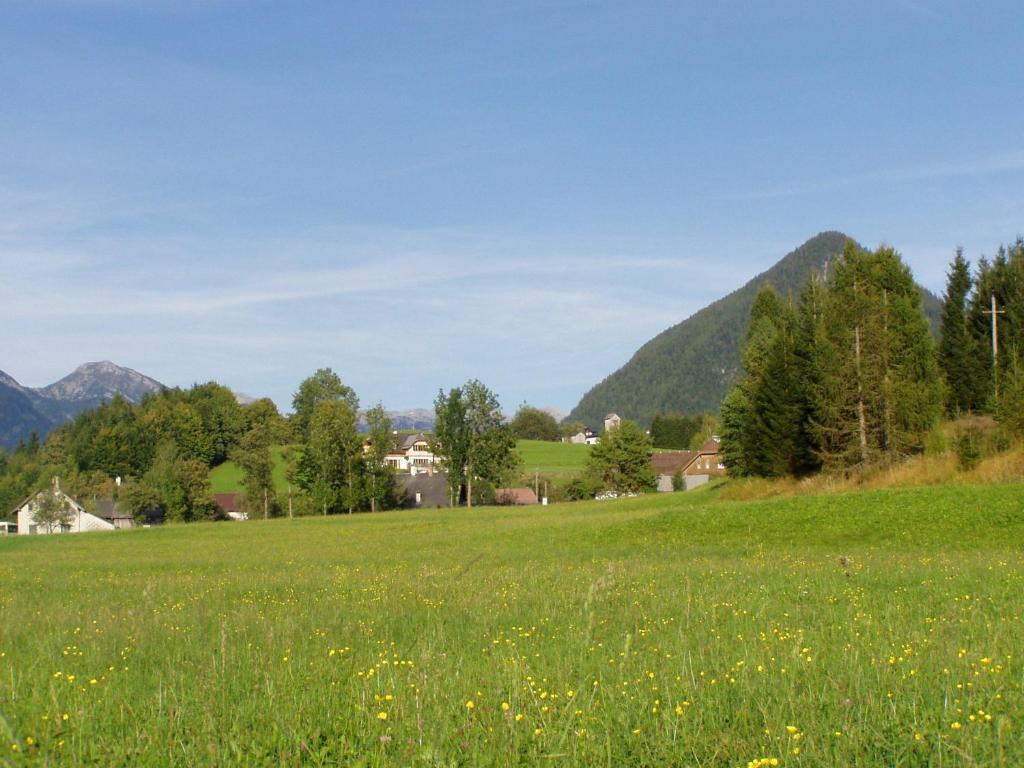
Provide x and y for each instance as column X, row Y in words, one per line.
column 958, row 353
column 762, row 415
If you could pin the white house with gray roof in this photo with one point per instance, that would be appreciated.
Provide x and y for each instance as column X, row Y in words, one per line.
column 76, row 518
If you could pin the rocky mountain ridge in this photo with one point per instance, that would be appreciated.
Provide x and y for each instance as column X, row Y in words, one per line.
column 24, row 410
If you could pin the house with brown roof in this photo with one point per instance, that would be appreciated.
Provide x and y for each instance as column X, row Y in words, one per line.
column 231, row 505
column 695, row 467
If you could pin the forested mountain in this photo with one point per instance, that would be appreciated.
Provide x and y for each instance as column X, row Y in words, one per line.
column 689, row 367
column 24, row 410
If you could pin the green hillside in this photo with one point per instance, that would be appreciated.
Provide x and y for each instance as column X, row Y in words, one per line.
column 227, row 478
column 552, row 459
column 691, row 366
column 875, row 628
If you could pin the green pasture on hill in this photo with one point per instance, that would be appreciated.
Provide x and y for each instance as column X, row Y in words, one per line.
column 227, row 478
column 874, row 628
column 552, row 459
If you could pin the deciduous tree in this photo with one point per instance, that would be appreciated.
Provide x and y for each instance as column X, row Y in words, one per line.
column 621, row 461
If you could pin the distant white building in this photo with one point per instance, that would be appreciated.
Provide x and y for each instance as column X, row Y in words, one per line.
column 77, row 519
column 611, row 421
column 413, row 454
column 585, row 436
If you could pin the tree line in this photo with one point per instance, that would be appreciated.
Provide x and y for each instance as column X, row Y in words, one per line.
column 848, row 375
column 155, row 456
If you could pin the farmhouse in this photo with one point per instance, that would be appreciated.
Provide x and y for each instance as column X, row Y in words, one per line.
column 69, row 517
column 612, row 421
column 695, row 467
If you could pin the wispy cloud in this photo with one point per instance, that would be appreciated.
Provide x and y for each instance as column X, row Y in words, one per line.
column 1008, row 162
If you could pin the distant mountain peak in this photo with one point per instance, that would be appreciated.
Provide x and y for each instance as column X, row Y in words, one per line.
column 100, row 381
column 25, row 410
column 9, row 381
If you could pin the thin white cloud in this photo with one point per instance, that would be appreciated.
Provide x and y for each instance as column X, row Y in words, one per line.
column 1007, row 162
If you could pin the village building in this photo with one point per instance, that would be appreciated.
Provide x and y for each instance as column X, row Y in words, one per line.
column 76, row 519
column 585, row 436
column 231, row 505
column 412, row 454
column 694, row 467
column 612, row 421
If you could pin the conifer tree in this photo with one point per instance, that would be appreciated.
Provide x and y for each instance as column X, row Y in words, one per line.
column 761, row 416
column 958, row 353
column 884, row 391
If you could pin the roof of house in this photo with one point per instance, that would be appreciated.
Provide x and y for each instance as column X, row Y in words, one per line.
column 670, row 462
column 227, row 501
column 516, row 496
column 432, row 488
column 713, row 445
column 411, row 440
column 109, row 510
column 31, row 496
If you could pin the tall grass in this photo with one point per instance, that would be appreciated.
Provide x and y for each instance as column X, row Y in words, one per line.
column 868, row 628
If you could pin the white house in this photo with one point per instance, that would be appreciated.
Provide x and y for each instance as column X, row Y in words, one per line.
column 413, row 455
column 76, row 520
column 585, row 436
column 612, row 421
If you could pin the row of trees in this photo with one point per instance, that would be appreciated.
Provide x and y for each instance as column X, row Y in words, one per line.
column 164, row 447
column 846, row 377
column 677, row 431
column 850, row 376
column 984, row 309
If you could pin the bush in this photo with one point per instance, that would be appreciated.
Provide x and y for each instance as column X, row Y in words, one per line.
column 678, row 481
column 968, row 447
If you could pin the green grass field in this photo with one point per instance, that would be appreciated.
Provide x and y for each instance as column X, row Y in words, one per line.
column 558, row 460
column 227, row 478
column 866, row 629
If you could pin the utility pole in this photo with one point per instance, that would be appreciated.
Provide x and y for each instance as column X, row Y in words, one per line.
column 995, row 342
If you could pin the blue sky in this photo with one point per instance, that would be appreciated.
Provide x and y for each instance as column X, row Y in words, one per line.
column 419, row 193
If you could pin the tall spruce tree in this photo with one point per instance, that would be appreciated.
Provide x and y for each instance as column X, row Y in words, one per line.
column 761, row 417
column 958, row 352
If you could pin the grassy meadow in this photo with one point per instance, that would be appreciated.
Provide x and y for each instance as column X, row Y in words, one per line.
column 870, row 628
column 557, row 460
column 227, row 478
